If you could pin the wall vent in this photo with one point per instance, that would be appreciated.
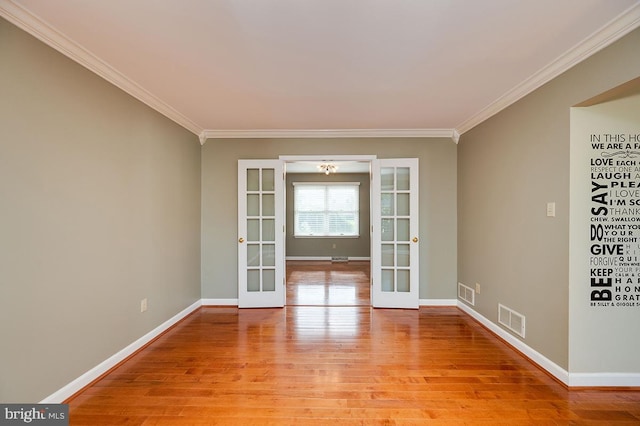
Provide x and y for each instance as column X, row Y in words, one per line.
column 467, row 294
column 511, row 320
column 339, row 259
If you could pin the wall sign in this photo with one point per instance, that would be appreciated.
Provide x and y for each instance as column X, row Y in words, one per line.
column 614, row 261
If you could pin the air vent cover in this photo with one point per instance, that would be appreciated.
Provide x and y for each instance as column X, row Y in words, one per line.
column 467, row 294
column 511, row 320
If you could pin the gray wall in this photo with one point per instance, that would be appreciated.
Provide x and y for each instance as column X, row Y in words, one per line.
column 509, row 167
column 99, row 207
column 437, row 203
column 322, row 247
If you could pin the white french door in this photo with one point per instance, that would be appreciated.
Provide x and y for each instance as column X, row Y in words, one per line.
column 261, row 264
column 394, row 247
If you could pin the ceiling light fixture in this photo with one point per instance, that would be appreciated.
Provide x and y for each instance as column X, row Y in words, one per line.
column 327, row 168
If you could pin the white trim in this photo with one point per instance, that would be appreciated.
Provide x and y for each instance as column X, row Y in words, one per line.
column 535, row 356
column 324, row 183
column 604, row 379
column 615, row 29
column 328, row 133
column 37, row 27
column 575, row 379
column 341, row 237
column 456, row 136
column 326, row 158
column 438, row 302
column 219, row 302
column 314, row 258
column 569, row 379
column 350, row 207
column 76, row 385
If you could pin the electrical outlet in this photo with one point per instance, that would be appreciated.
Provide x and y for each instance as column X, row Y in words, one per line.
column 334, row 246
column 143, row 305
column 477, row 288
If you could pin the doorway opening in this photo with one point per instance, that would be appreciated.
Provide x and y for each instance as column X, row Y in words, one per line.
column 393, row 237
column 326, row 283
column 330, row 267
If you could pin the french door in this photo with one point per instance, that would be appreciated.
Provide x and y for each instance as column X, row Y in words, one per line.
column 261, row 264
column 394, row 236
column 394, row 247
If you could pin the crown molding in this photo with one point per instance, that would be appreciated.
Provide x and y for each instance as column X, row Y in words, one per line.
column 339, row 133
column 34, row 25
column 456, row 136
column 606, row 35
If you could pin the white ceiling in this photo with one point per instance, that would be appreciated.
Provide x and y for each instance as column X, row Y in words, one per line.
column 238, row 68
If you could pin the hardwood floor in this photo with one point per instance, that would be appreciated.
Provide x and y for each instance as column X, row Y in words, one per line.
column 338, row 365
column 314, row 283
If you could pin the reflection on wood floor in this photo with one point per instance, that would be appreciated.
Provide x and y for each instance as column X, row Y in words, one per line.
column 313, row 365
column 323, row 283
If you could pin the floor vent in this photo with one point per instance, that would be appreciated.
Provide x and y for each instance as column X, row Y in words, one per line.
column 339, row 259
column 467, row 294
column 511, row 320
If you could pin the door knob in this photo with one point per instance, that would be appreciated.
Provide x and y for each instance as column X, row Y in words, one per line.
column 241, row 240
column 415, row 239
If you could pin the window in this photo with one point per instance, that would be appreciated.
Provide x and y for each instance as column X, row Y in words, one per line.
column 326, row 209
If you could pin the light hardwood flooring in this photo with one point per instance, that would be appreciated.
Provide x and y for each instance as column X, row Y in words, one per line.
column 338, row 365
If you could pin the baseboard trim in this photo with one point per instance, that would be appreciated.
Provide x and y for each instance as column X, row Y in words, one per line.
column 438, row 302
column 219, row 302
column 314, row 258
column 536, row 357
column 308, row 258
column 87, row 378
column 569, row 379
column 626, row 380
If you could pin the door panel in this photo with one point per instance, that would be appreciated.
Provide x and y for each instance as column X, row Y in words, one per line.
column 260, row 234
column 394, row 252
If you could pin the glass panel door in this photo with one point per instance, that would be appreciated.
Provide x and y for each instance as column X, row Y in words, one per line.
column 260, row 233
column 394, row 254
